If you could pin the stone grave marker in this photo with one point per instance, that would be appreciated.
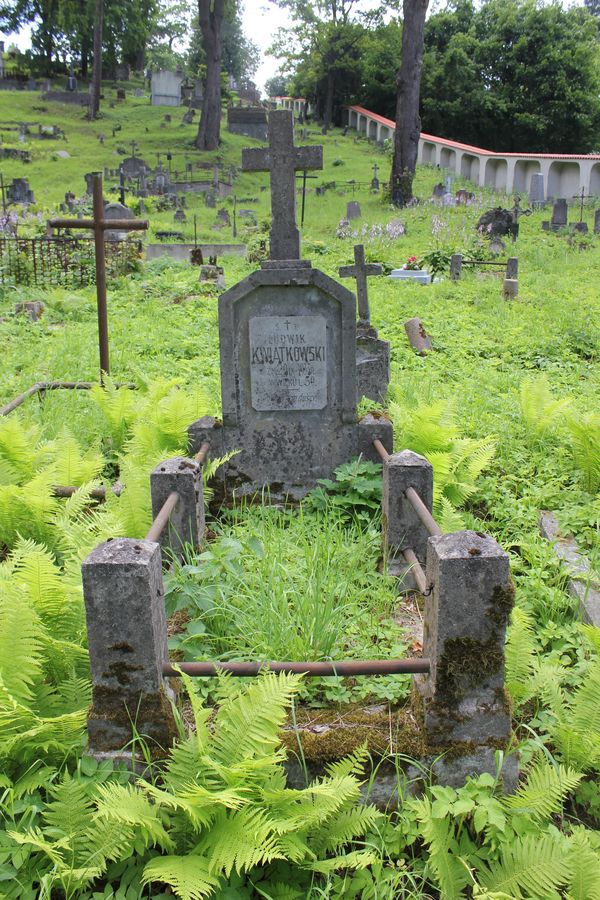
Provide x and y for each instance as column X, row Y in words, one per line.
column 353, row 210
column 288, row 354
column 560, row 214
column 597, row 221
column 116, row 211
column 180, row 216
column 19, row 191
column 250, row 121
column 537, row 196
column 372, row 354
column 166, row 88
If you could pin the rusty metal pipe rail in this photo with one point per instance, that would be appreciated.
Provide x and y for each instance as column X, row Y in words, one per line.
column 422, row 512
column 99, row 493
column 381, row 449
column 343, row 667
column 40, row 387
column 202, row 453
column 416, row 570
column 162, row 519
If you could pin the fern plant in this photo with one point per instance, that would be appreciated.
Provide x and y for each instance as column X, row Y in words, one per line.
column 224, row 801
column 540, row 410
column 432, row 431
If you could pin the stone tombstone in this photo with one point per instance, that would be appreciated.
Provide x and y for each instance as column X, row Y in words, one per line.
column 223, row 216
column 179, row 216
column 166, row 88
column 116, row 211
column 138, row 93
column 559, row 214
column 121, row 96
column 20, row 192
column 250, row 121
column 597, row 221
column 133, row 167
column 353, row 210
column 288, row 354
column 89, row 183
column 438, row 191
column 537, row 196
column 210, row 200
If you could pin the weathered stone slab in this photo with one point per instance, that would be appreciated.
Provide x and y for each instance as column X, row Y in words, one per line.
column 582, row 584
column 127, row 639
column 466, row 614
column 402, row 527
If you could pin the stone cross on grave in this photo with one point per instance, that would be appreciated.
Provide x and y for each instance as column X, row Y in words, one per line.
column 361, row 270
column 282, row 159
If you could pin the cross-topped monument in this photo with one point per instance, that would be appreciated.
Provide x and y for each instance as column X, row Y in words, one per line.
column 361, row 270
column 282, row 160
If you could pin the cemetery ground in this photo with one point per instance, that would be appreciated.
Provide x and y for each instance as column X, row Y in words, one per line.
column 506, row 409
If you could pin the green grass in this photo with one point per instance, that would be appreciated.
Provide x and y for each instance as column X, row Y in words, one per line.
column 275, row 584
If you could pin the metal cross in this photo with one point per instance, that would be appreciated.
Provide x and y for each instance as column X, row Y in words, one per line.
column 282, row 159
column 99, row 225
column 361, row 270
column 304, row 176
column 582, row 196
column 3, row 190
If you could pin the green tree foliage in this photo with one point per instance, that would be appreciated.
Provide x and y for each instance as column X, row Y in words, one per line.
column 527, row 74
column 323, row 50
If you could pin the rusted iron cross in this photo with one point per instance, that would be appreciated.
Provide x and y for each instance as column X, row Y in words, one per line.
column 99, row 225
column 282, row 159
column 361, row 270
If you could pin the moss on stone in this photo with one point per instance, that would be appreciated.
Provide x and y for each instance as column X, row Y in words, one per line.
column 503, row 600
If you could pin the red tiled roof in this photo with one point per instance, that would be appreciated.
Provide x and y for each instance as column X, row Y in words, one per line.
column 458, row 146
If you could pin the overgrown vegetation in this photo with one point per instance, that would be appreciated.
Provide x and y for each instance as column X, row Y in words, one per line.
column 505, row 407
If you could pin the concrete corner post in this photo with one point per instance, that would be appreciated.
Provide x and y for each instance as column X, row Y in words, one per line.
column 127, row 640
column 466, row 615
column 401, row 526
column 186, row 524
column 455, row 266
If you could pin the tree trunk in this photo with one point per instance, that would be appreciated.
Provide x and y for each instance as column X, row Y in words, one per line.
column 329, row 101
column 408, row 121
column 210, row 16
column 85, row 55
column 97, row 71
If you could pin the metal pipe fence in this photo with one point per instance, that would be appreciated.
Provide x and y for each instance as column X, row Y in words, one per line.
column 62, row 261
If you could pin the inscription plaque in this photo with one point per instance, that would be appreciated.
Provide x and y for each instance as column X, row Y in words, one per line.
column 288, row 362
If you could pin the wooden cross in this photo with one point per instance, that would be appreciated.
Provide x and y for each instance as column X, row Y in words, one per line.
column 361, row 270
column 282, row 160
column 99, row 225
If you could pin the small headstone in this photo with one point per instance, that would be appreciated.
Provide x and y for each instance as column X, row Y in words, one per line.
column 210, row 273
column 142, row 208
column 138, row 93
column 116, row 211
column 353, row 210
column 497, row 246
column 33, row 308
column 537, row 195
column 19, row 191
column 438, row 191
column 62, row 154
column 560, row 214
column 418, row 338
column 464, row 197
column 89, row 183
column 224, row 217
column 120, row 94
column 211, row 200
column 581, row 227
column 168, row 117
column 597, row 222
column 179, row 216
column 510, row 288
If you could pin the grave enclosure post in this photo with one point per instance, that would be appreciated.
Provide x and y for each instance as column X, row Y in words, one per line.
column 402, row 528
column 464, row 703
column 186, row 522
column 455, row 266
column 127, row 638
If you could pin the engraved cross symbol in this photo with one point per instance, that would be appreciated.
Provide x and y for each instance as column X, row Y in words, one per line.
column 361, row 270
column 282, row 159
